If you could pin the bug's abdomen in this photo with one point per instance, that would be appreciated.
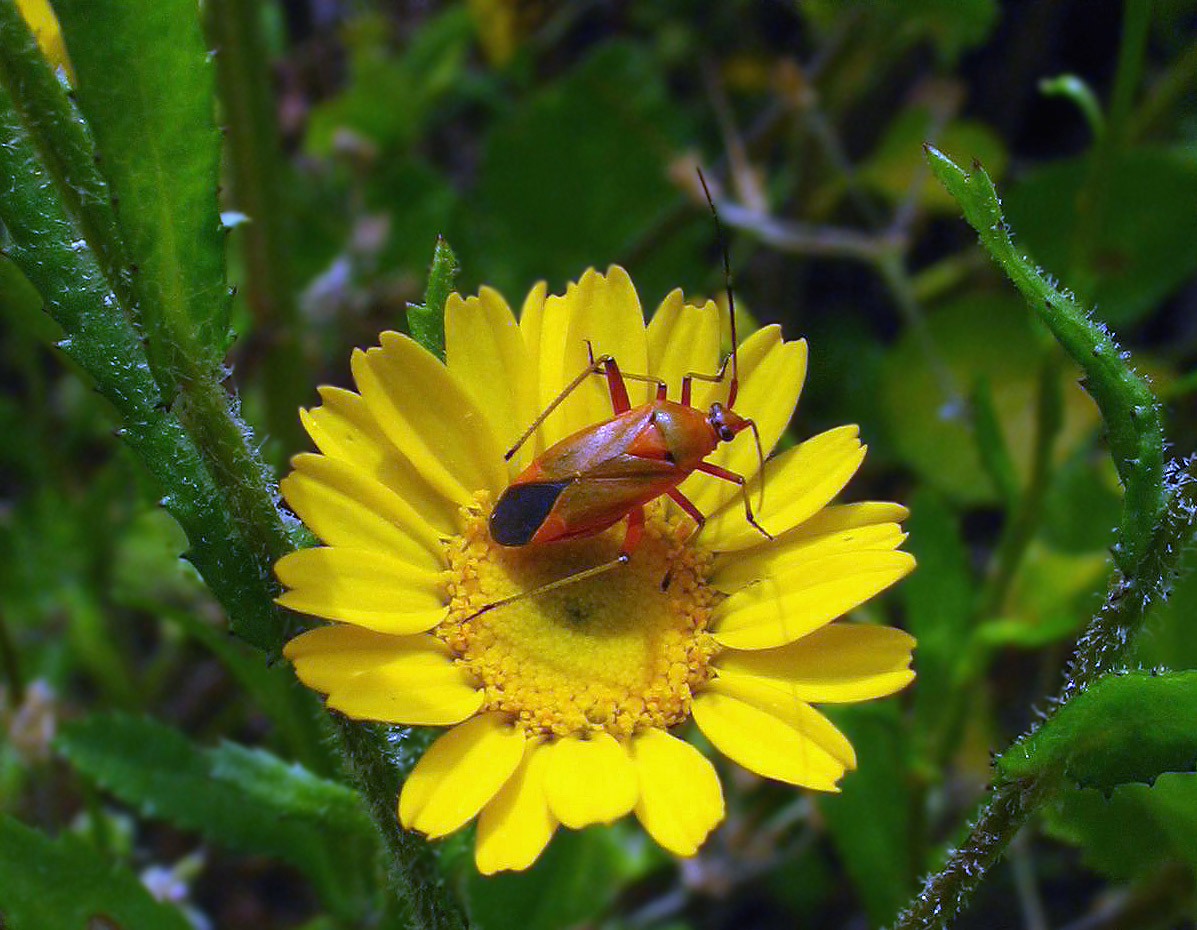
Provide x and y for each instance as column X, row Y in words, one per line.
column 522, row 510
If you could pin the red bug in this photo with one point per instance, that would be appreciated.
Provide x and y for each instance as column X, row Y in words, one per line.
column 604, row 473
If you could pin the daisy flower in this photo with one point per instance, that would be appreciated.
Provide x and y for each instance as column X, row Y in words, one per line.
column 565, row 708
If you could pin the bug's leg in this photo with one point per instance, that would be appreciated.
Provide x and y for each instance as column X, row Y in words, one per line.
column 662, row 388
column 596, row 367
column 616, row 378
column 631, row 540
column 688, row 505
column 691, row 377
column 710, row 468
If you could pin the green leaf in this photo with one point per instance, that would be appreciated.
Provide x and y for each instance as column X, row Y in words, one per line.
column 1080, row 508
column 289, row 789
column 871, row 821
column 938, row 599
column 1051, row 597
column 46, row 244
column 991, row 444
column 66, row 883
column 146, row 84
column 67, row 149
column 1130, row 410
column 158, row 770
column 1135, row 830
column 294, row 710
column 427, row 320
column 1145, row 246
column 1123, row 728
column 571, row 882
column 986, row 337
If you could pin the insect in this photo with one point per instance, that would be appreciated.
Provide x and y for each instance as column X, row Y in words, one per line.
column 607, row 472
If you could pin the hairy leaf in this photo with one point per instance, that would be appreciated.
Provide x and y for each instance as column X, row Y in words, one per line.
column 145, row 83
column 223, row 794
column 871, row 820
column 427, row 320
column 1133, row 831
column 1124, row 728
column 64, row 882
column 1127, row 404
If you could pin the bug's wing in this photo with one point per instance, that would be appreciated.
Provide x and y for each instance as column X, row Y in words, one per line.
column 589, row 506
column 579, row 455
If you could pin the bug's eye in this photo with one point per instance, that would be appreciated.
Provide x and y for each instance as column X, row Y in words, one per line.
column 726, row 434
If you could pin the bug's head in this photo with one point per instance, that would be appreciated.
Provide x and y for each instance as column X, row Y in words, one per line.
column 727, row 423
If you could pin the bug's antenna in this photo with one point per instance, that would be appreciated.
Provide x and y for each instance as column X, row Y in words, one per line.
column 734, row 387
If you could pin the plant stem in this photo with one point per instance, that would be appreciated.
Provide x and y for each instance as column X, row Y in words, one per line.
column 413, row 875
column 201, row 454
column 1127, row 405
column 1021, row 529
column 257, row 174
column 1102, row 646
column 1158, row 521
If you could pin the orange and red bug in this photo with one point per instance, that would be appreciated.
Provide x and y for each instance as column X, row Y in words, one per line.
column 604, row 473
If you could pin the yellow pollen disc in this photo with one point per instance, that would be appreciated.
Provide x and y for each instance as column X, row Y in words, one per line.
column 621, row 651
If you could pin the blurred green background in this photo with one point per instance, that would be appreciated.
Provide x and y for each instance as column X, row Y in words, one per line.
column 543, row 138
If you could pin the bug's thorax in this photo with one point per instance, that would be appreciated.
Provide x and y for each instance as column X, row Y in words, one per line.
column 686, row 432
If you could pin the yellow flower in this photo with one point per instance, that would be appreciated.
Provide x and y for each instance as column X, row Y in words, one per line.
column 562, row 704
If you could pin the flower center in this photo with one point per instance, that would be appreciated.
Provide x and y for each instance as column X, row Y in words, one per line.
column 620, row 651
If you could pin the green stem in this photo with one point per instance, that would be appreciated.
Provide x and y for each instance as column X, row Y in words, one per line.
column 1132, row 48
column 1175, row 84
column 191, row 442
column 68, row 152
column 257, row 175
column 413, row 874
column 1158, row 521
column 1130, row 411
column 1021, row 530
column 1101, row 648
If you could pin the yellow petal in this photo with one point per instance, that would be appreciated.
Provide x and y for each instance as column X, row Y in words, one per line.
column 328, row 656
column 788, row 749
column 680, row 797
column 342, row 428
column 429, row 416
column 849, row 516
column 485, row 350
column 363, row 587
column 841, row 662
column 531, row 327
column 798, row 483
column 771, row 376
column 345, row 507
column 782, row 608
column 605, row 310
column 796, row 714
column 785, row 554
column 418, row 689
column 459, row 774
column 516, row 826
column 683, row 339
column 589, row 780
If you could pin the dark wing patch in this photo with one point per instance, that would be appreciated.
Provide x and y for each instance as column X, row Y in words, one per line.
column 522, row 509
